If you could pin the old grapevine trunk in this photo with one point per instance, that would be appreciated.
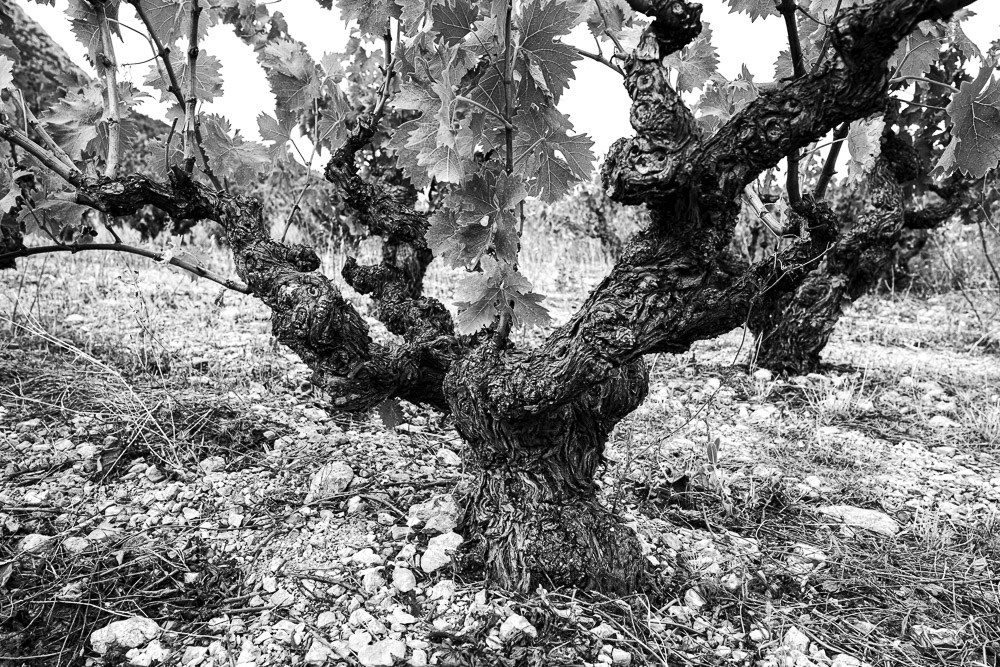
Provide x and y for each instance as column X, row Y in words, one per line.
column 534, row 515
column 536, row 420
column 793, row 328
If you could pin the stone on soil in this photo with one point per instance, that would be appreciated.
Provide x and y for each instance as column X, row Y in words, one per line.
column 403, row 579
column 439, row 514
column 858, row 517
column 439, row 550
column 382, row 653
column 330, row 480
column 516, row 626
column 128, row 633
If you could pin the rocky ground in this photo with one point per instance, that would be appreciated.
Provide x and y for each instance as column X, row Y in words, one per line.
column 174, row 493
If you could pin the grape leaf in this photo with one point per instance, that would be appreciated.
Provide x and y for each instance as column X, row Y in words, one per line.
column 171, row 19
column 492, row 198
column 480, row 217
column 372, row 15
column 9, row 201
column 439, row 141
column 413, row 12
column 293, row 78
column 443, row 163
column 74, row 120
column 958, row 37
column 724, row 99
column 332, row 129
column 272, row 129
column 161, row 160
column 696, row 63
column 916, row 53
column 814, row 35
column 480, row 296
column 542, row 23
column 278, row 131
column 207, row 80
column 548, row 158
column 824, row 9
column 6, row 72
column 607, row 16
column 231, row 156
column 62, row 219
column 975, row 133
column 453, row 19
column 84, row 24
column 391, row 413
column 755, row 8
column 864, row 143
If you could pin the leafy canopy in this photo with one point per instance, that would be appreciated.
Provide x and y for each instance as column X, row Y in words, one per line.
column 476, row 124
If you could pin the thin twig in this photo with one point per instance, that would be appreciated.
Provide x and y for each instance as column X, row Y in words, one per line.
column 826, row 37
column 787, row 9
column 190, row 138
column 601, row 59
column 132, row 250
column 498, row 116
column 390, row 64
column 508, row 85
column 607, row 30
column 18, row 138
column 113, row 107
column 986, row 252
column 903, row 79
column 166, row 147
column 46, row 138
column 752, row 199
column 830, row 167
column 162, row 51
column 207, row 168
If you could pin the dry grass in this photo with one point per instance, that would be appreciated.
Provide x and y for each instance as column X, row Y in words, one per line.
column 163, row 372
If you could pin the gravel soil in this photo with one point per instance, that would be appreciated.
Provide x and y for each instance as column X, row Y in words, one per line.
column 172, row 492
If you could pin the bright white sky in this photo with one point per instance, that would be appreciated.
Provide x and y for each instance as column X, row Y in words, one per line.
column 596, row 101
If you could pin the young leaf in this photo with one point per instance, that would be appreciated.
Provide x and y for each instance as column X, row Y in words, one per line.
column 372, row 15
column 604, row 16
column 975, row 115
column 208, row 76
column 85, row 25
column 547, row 157
column 293, row 77
column 482, row 296
column 62, row 219
column 915, row 54
column 233, row 157
column 280, row 132
column 958, row 37
column 542, row 23
column 864, row 143
column 453, row 19
column 481, row 218
column 6, row 72
column 332, row 129
column 696, row 63
column 755, row 8
column 75, row 119
column 171, row 19
column 724, row 99
column 161, row 160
